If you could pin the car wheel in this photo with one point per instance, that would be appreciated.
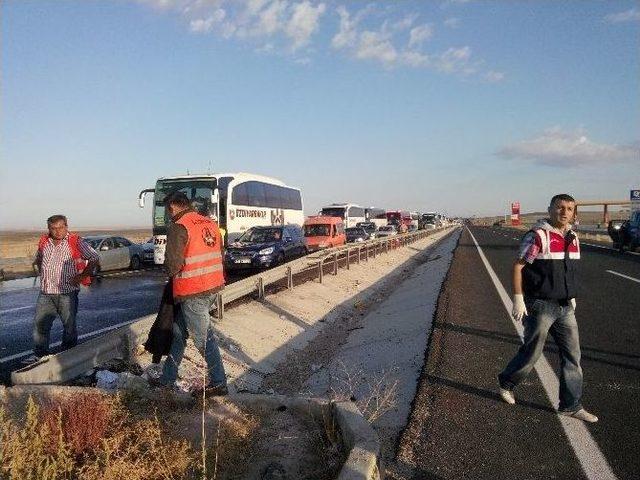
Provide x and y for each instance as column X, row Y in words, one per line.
column 135, row 263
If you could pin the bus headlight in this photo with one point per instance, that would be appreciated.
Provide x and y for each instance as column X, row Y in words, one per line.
column 266, row 251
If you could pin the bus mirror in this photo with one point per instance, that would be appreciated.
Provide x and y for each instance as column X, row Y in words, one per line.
column 142, row 194
column 141, row 202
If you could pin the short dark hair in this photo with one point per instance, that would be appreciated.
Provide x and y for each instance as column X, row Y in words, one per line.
column 55, row 219
column 177, row 198
column 563, row 197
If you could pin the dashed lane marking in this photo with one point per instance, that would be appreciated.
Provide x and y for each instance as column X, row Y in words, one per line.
column 624, row 276
column 593, row 462
column 81, row 337
column 604, row 247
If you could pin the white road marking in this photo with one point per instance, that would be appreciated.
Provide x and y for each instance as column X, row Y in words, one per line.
column 17, row 309
column 593, row 462
column 55, row 344
column 604, row 247
column 624, row 276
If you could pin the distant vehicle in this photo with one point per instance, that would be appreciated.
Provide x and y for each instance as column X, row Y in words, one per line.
column 147, row 250
column 431, row 220
column 387, row 231
column 625, row 233
column 356, row 234
column 412, row 228
column 350, row 213
column 116, row 252
column 369, row 227
column 377, row 216
column 415, row 219
column 498, row 223
column 324, row 232
column 265, row 247
column 237, row 201
column 400, row 218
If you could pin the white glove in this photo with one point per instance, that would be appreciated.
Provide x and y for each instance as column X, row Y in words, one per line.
column 573, row 303
column 519, row 308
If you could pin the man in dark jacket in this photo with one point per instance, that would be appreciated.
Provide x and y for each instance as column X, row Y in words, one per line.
column 544, row 286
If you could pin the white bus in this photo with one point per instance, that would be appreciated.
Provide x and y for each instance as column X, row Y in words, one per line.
column 349, row 212
column 378, row 216
column 238, row 201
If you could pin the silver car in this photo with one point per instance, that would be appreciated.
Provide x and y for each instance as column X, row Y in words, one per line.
column 116, row 252
column 387, row 231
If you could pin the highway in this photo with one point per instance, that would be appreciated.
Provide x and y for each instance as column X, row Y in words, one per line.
column 459, row 428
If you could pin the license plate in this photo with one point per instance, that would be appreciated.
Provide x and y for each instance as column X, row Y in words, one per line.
column 242, row 260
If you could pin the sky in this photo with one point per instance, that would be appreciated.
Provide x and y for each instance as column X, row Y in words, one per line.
column 458, row 106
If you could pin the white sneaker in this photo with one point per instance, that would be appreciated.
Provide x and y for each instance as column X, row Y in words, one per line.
column 507, row 396
column 581, row 414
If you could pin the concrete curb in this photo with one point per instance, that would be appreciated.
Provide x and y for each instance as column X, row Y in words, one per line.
column 359, row 438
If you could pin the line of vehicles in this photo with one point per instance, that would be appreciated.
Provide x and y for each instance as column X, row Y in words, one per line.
column 263, row 222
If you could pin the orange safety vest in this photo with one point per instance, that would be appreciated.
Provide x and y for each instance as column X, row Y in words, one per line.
column 80, row 262
column 202, row 270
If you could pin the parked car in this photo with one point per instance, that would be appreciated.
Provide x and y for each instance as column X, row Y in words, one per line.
column 356, row 234
column 387, row 231
column 147, row 250
column 369, row 227
column 412, row 228
column 265, row 247
column 324, row 232
column 116, row 252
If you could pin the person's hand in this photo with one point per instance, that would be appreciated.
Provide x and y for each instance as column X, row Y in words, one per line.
column 75, row 281
column 519, row 308
column 573, row 303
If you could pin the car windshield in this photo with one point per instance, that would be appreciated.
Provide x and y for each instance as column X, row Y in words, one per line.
column 354, row 231
column 388, row 228
column 319, row 230
column 94, row 242
column 261, row 235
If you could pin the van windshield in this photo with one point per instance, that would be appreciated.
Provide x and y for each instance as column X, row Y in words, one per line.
column 317, row 230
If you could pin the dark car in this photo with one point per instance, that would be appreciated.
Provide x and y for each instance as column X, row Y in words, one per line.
column 265, row 247
column 369, row 227
column 625, row 234
column 356, row 234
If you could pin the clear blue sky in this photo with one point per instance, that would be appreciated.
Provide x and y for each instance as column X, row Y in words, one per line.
column 458, row 106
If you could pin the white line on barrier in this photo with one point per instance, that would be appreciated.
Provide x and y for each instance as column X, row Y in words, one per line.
column 55, row 344
column 17, row 309
column 624, row 276
column 593, row 462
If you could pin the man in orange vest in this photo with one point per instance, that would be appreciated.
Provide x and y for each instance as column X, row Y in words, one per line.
column 64, row 261
column 193, row 260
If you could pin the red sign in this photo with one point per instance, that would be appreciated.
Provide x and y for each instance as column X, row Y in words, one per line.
column 515, row 213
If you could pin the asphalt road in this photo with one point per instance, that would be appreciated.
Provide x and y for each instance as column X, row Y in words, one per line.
column 459, row 428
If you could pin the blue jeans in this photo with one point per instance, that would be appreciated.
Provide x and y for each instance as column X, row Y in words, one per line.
column 48, row 307
column 193, row 320
column 548, row 316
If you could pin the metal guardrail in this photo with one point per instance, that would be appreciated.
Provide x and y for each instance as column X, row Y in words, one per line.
column 122, row 341
column 317, row 261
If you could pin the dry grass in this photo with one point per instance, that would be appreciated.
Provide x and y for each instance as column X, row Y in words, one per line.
column 374, row 395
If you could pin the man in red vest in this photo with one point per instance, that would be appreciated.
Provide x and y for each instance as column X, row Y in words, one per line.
column 193, row 260
column 64, row 261
column 545, row 285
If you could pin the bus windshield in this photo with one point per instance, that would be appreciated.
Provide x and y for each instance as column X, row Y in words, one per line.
column 197, row 190
column 333, row 212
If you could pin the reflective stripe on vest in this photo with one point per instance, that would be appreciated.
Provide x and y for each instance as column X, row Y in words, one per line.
column 202, row 269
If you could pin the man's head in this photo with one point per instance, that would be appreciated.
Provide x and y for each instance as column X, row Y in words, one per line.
column 57, row 225
column 562, row 210
column 176, row 202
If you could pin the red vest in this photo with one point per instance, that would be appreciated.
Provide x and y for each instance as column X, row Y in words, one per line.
column 202, row 270
column 80, row 262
